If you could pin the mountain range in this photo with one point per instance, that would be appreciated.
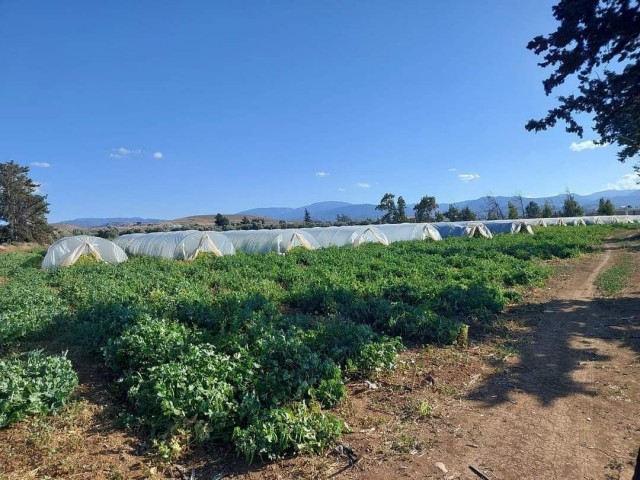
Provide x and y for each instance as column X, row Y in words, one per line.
column 328, row 211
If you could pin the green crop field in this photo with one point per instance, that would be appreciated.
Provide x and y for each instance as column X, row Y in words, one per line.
column 254, row 350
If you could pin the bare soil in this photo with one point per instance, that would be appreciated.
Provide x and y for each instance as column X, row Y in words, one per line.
column 551, row 393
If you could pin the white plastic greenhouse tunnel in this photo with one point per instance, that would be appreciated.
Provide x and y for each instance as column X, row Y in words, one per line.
column 347, row 236
column 508, row 226
column 185, row 245
column 462, row 229
column 123, row 241
column 68, row 251
column 574, row 221
column 593, row 220
column 278, row 240
column 408, row 231
column 535, row 222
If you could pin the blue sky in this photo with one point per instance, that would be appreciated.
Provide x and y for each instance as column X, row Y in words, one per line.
column 164, row 109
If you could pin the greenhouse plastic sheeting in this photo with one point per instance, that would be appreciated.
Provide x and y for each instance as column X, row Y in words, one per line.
column 204, row 242
column 408, row 231
column 278, row 240
column 462, row 229
column 123, row 241
column 508, row 226
column 347, row 236
column 68, row 250
column 593, row 220
column 574, row 221
column 535, row 222
column 185, row 245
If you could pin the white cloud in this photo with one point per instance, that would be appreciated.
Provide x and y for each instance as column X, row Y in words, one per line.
column 467, row 177
column 363, row 185
column 122, row 152
column 453, row 169
column 628, row 181
column 322, row 174
column 39, row 187
column 586, row 145
column 158, row 155
column 41, row 164
column 342, row 189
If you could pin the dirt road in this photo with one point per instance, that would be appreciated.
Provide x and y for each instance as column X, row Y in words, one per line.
column 569, row 407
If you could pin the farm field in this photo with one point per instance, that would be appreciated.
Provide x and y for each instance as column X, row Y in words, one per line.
column 223, row 364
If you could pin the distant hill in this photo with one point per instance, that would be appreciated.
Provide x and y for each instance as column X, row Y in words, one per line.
column 210, row 220
column 323, row 211
column 327, row 211
column 202, row 220
column 101, row 222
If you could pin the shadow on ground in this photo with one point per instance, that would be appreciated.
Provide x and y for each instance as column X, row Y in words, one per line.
column 560, row 341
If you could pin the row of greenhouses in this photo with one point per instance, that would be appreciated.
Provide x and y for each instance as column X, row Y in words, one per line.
column 187, row 245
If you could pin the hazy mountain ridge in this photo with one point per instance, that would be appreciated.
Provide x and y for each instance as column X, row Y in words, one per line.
column 319, row 211
column 328, row 211
column 101, row 222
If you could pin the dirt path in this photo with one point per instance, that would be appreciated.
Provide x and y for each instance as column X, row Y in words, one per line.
column 568, row 409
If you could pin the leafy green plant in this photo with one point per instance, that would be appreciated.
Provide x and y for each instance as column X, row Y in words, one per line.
column 34, row 384
column 299, row 429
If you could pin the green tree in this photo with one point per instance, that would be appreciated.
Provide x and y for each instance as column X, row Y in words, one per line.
column 344, row 219
column 307, row 217
column 596, row 43
column 221, row 221
column 532, row 210
column 547, row 210
column 571, row 208
column 605, row 207
column 452, row 213
column 400, row 215
column 466, row 215
column 424, row 209
column 439, row 217
column 512, row 211
column 21, row 207
column 388, row 205
column 245, row 220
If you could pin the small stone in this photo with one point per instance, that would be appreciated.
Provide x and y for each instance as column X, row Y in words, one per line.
column 588, row 419
column 440, row 466
column 371, row 385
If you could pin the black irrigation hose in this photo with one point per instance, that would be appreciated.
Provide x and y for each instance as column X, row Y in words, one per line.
column 478, row 473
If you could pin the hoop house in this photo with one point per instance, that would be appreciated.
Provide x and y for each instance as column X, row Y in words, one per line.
column 462, row 229
column 593, row 221
column 508, row 226
column 278, row 240
column 574, row 221
column 123, row 241
column 535, row 222
column 557, row 222
column 68, row 250
column 184, row 245
column 409, row 231
column 347, row 236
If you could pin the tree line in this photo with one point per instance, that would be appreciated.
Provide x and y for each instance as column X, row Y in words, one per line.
column 426, row 210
